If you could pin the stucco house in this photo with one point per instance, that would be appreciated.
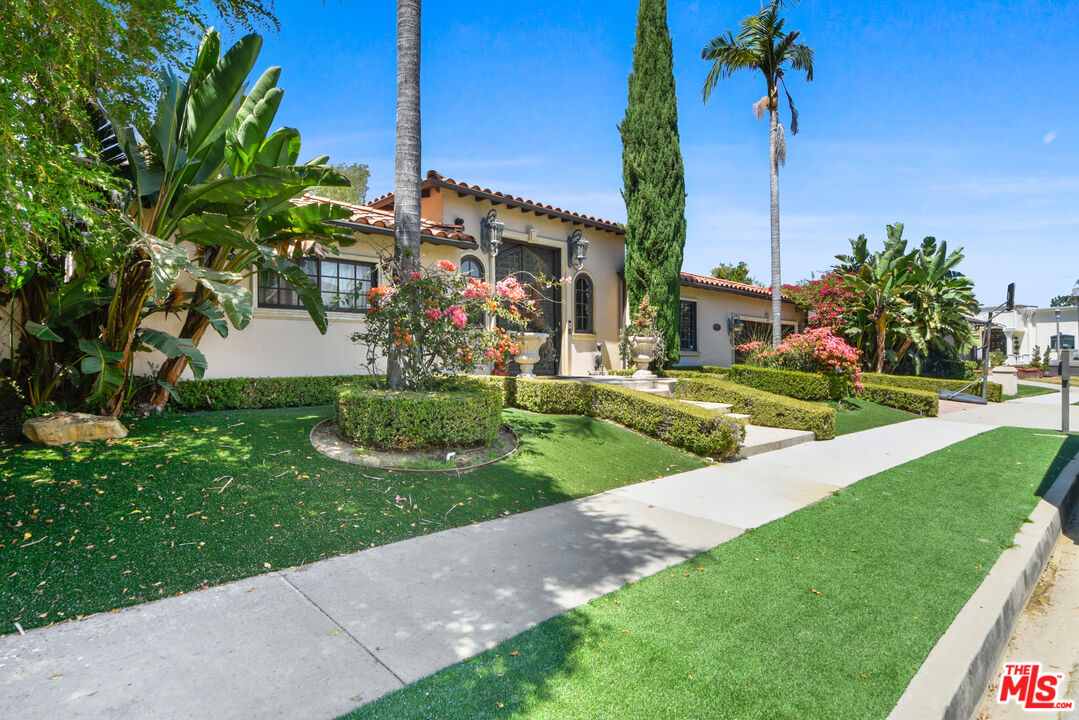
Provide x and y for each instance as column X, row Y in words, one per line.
column 1017, row 332
column 583, row 316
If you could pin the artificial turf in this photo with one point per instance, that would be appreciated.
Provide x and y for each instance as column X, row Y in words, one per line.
column 824, row 614
column 187, row 501
column 1031, row 391
column 854, row 415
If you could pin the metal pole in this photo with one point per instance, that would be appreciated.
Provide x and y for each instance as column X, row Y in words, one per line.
column 1065, row 381
column 985, row 356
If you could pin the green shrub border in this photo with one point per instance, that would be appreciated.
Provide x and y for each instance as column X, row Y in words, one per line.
column 764, row 408
column 919, row 402
column 994, row 391
column 260, row 392
column 799, row 385
column 465, row 415
column 687, row 427
column 699, row 431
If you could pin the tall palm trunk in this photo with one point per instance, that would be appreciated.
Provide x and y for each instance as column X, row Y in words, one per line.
column 169, row 373
column 777, row 287
column 406, row 186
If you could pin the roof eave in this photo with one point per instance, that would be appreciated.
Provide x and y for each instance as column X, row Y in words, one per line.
column 424, row 237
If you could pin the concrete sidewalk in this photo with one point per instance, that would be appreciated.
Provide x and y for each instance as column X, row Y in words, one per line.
column 317, row 641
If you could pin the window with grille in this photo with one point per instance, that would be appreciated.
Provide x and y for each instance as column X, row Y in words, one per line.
column 687, row 325
column 342, row 283
column 583, row 305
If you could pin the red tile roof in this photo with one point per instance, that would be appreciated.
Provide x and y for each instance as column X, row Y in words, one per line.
column 707, row 281
column 435, row 179
column 383, row 219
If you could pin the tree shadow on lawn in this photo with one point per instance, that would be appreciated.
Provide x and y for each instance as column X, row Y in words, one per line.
column 1069, row 450
column 190, row 501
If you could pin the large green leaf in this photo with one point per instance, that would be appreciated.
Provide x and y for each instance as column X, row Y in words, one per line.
column 213, row 104
column 42, row 332
column 101, row 363
column 167, row 259
column 253, row 131
column 213, row 314
column 174, row 347
column 280, row 149
column 214, row 229
column 234, row 299
column 307, row 291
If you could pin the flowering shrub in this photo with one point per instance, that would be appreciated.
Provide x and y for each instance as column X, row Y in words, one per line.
column 829, row 301
column 423, row 321
column 816, row 351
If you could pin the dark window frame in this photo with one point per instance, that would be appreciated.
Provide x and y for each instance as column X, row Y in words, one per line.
column 279, row 284
column 473, row 258
column 687, row 330
column 589, row 306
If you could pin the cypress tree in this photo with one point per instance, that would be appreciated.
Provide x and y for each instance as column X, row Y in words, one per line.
column 653, row 175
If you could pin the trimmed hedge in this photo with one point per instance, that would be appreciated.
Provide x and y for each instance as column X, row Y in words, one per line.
column 920, row 402
column 689, row 427
column 710, row 369
column 994, row 392
column 800, row 385
column 404, row 420
column 557, row 397
column 259, row 392
column 764, row 408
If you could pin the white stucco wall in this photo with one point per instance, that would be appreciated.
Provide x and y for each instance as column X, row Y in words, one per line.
column 606, row 257
column 717, row 306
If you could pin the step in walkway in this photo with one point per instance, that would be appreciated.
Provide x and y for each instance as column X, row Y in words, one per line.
column 319, row 640
column 758, row 439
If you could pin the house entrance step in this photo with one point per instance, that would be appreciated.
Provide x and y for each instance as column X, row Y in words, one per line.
column 761, row 439
column 737, row 416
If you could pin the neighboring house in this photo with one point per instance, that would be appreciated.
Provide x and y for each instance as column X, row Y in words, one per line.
column 582, row 316
column 1018, row 332
column 720, row 314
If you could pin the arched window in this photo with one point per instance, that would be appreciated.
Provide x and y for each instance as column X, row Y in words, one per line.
column 472, row 267
column 583, row 303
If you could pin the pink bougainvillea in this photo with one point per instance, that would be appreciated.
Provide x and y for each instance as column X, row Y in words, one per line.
column 457, row 317
column 817, row 350
column 447, row 266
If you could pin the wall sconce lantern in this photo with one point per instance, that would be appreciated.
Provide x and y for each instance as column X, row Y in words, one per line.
column 578, row 247
column 492, row 229
column 735, row 325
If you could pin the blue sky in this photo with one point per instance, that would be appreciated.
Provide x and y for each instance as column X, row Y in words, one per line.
column 958, row 119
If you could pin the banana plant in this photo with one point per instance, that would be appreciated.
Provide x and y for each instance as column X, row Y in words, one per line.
column 209, row 173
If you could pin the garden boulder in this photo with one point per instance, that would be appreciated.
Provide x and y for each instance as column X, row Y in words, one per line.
column 62, row 428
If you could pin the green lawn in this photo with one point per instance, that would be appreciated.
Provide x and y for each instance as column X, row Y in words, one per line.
column 826, row 613
column 854, row 415
column 1031, row 391
column 192, row 500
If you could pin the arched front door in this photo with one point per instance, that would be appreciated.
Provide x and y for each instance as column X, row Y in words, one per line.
column 528, row 262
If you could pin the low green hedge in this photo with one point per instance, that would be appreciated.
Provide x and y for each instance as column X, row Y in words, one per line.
column 764, row 408
column 920, row 402
column 994, row 392
column 689, row 427
column 259, row 392
column 800, row 385
column 415, row 419
column 710, row 369
column 557, row 397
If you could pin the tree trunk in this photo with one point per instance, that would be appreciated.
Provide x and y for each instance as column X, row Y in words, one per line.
column 194, row 328
column 777, row 283
column 882, row 332
column 407, row 180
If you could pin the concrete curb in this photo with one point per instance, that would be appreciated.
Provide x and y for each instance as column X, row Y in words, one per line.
column 952, row 681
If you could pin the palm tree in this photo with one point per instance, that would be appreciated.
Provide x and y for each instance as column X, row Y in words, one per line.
column 407, row 180
column 763, row 45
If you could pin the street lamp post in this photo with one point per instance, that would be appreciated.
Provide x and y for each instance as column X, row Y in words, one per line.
column 1065, row 368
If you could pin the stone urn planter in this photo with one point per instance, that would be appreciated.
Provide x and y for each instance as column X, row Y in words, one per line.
column 644, row 349
column 530, row 344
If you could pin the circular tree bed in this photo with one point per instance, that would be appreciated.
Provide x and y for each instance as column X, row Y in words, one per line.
column 454, row 428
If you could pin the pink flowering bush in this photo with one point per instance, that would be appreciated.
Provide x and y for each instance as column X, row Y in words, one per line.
column 424, row 321
column 816, row 351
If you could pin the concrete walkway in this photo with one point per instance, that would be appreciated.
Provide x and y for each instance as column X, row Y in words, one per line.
column 317, row 641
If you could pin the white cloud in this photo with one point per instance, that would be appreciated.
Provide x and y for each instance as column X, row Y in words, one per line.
column 1049, row 137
